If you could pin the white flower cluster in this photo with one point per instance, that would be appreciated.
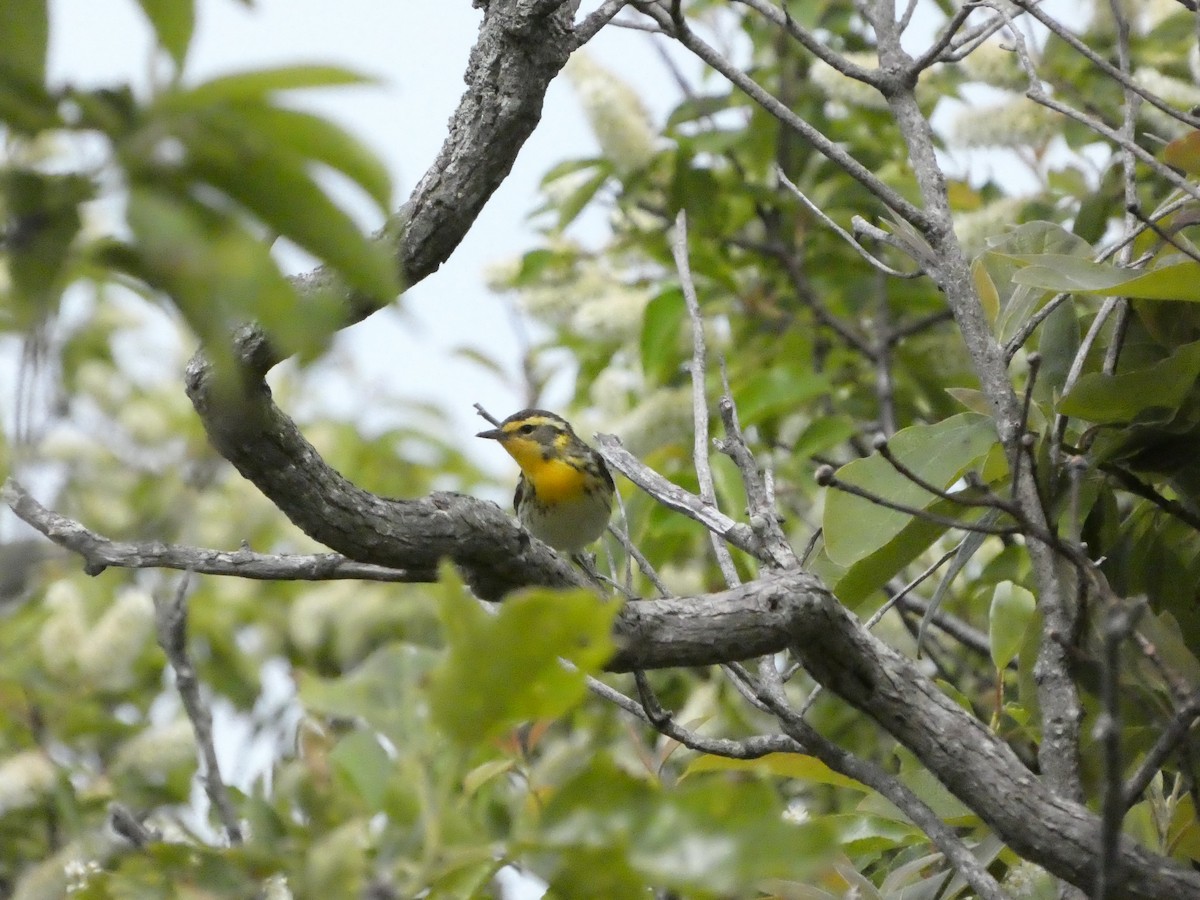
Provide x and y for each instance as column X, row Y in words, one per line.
column 101, row 655
column 1018, row 122
column 616, row 113
column 25, row 778
column 992, row 64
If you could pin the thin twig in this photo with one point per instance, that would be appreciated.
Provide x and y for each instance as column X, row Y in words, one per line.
column 948, row 33
column 990, row 501
column 1170, row 738
column 778, row 14
column 842, row 232
column 674, row 497
column 1123, row 78
column 590, row 27
column 700, row 438
column 98, row 552
column 170, row 613
column 827, row 478
column 764, row 518
column 748, row 748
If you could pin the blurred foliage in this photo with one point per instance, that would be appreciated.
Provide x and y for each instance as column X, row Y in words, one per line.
column 365, row 761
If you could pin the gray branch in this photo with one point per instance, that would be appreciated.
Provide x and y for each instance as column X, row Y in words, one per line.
column 98, row 552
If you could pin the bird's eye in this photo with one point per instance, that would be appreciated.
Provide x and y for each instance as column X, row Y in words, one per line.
column 527, row 428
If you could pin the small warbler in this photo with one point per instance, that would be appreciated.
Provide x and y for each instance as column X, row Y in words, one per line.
column 565, row 494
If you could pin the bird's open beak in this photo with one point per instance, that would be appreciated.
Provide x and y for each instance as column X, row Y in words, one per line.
column 494, row 435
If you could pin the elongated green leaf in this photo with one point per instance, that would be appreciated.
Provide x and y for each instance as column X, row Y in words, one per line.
column 258, row 84
column 1108, row 399
column 785, row 765
column 286, row 198
column 1069, row 274
column 853, row 584
column 939, row 454
column 173, row 21
column 662, row 322
column 507, row 668
column 1011, row 612
column 311, row 137
column 776, row 390
column 43, row 220
column 362, row 761
column 24, row 33
column 573, row 204
column 1179, row 281
column 1040, row 238
column 25, row 106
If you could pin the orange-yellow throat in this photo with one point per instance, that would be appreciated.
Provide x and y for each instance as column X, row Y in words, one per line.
column 553, row 480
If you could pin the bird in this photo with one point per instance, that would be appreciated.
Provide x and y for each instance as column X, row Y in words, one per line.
column 565, row 493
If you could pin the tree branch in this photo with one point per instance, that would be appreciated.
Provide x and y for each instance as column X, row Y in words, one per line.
column 170, row 615
column 99, row 552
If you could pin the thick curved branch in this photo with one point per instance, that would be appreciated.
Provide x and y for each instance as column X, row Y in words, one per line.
column 493, row 552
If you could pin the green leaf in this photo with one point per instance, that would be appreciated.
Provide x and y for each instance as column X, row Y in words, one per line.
column 1184, row 153
column 938, row 453
column 662, row 324
column 855, row 583
column 823, row 434
column 260, row 83
column 712, row 834
column 989, row 297
column 1010, row 252
column 173, row 21
column 1040, row 239
column 218, row 273
column 25, row 106
column 1011, row 612
column 1179, row 281
column 507, row 668
column 777, row 390
column 1108, row 399
column 798, row 766
column 1058, row 343
column 24, row 34
column 573, row 204
column 694, row 108
column 362, row 761
column 313, row 138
